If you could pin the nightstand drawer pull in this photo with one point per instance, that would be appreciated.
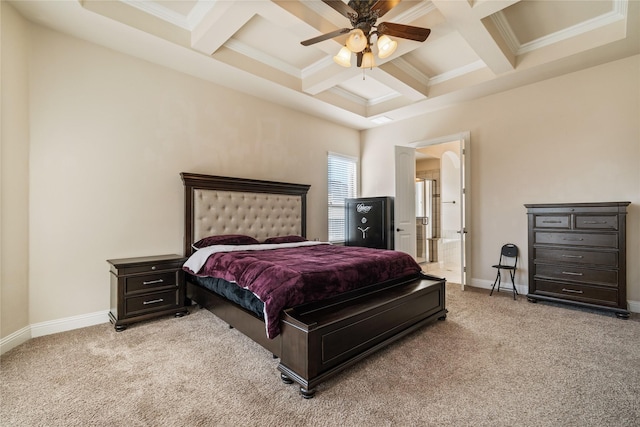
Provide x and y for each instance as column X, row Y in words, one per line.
column 572, row 256
column 571, row 273
column 572, row 291
column 594, row 222
column 154, row 301
column 153, row 282
column 551, row 222
column 570, row 239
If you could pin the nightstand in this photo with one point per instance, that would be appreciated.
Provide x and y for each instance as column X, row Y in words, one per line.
column 146, row 287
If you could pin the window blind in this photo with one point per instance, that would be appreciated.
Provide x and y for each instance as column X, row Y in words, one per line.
column 343, row 184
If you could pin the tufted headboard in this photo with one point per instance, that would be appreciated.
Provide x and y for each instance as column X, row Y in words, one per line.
column 223, row 205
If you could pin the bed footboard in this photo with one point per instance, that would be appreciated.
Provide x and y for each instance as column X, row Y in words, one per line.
column 320, row 340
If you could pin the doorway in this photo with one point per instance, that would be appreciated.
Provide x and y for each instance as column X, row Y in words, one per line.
column 439, row 165
column 440, row 200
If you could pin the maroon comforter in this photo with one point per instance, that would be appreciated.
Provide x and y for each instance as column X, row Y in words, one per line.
column 286, row 277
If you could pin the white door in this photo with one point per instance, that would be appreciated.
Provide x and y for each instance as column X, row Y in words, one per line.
column 404, row 202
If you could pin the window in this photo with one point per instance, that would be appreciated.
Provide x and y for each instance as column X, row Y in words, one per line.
column 343, row 184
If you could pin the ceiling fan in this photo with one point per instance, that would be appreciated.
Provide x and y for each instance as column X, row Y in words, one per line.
column 363, row 15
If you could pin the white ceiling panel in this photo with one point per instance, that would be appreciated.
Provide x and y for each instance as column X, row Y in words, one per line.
column 493, row 41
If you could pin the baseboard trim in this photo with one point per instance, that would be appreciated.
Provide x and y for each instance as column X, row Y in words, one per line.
column 52, row 327
column 634, row 306
column 69, row 323
column 15, row 339
column 504, row 287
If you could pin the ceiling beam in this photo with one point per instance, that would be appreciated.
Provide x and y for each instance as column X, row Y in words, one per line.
column 486, row 42
column 220, row 23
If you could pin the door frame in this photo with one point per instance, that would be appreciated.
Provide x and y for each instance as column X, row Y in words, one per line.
column 465, row 195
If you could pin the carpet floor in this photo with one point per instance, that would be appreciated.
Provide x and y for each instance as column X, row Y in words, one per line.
column 493, row 362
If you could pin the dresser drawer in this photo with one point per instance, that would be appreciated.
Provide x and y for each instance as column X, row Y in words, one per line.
column 150, row 282
column 601, row 222
column 152, row 302
column 576, row 256
column 577, row 274
column 577, row 239
column 577, row 292
column 552, row 221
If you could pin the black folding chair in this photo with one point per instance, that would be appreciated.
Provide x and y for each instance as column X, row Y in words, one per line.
column 508, row 261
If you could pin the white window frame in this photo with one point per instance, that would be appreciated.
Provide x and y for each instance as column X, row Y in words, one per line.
column 336, row 196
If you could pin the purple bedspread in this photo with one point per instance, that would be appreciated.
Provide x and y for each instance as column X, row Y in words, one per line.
column 286, row 277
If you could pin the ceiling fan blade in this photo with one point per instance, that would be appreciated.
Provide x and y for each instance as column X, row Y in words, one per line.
column 404, row 31
column 341, row 7
column 384, row 6
column 324, row 37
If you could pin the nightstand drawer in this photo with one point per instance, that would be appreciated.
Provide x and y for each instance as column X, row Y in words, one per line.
column 577, row 274
column 577, row 239
column 577, row 292
column 150, row 282
column 149, row 264
column 152, row 302
column 576, row 256
column 552, row 221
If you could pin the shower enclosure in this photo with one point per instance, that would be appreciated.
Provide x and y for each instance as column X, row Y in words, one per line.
column 425, row 220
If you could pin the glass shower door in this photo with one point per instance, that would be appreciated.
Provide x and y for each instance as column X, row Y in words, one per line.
column 424, row 228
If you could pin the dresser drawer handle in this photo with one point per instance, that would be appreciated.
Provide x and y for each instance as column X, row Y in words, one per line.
column 595, row 222
column 572, row 256
column 551, row 222
column 570, row 273
column 153, row 301
column 572, row 291
column 574, row 239
column 153, row 282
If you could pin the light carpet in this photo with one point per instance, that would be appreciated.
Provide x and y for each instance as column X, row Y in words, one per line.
column 493, row 362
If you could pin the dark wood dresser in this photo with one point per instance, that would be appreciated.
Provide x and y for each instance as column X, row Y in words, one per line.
column 577, row 254
column 146, row 287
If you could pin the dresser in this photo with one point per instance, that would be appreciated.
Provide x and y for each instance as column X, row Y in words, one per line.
column 577, row 254
column 146, row 287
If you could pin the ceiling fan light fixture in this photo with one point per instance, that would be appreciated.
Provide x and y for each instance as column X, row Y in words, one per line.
column 357, row 41
column 386, row 46
column 343, row 57
column 368, row 61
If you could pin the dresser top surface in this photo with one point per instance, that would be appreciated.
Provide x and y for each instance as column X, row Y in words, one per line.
column 570, row 205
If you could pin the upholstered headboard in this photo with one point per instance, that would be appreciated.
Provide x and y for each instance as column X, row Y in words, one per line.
column 217, row 205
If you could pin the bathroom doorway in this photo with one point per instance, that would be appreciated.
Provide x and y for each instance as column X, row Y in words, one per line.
column 439, row 210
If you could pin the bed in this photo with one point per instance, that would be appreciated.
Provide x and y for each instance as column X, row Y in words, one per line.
column 319, row 336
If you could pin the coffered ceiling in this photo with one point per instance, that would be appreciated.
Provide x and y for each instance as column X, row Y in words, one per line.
column 476, row 47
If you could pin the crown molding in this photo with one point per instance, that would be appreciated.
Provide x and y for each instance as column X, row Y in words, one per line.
column 618, row 12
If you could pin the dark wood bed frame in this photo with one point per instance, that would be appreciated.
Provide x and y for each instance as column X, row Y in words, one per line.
column 318, row 340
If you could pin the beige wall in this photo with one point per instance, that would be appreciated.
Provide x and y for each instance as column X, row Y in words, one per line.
column 109, row 135
column 14, row 174
column 93, row 142
column 574, row 138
